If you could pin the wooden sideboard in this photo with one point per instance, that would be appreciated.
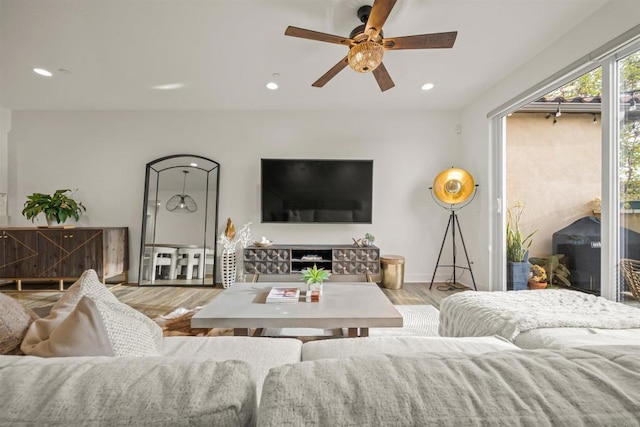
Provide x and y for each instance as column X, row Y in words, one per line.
column 291, row 259
column 62, row 253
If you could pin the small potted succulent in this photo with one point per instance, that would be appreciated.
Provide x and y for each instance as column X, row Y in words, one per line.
column 538, row 279
column 314, row 276
column 369, row 239
column 57, row 208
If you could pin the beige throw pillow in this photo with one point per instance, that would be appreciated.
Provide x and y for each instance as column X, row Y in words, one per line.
column 14, row 322
column 100, row 328
column 88, row 320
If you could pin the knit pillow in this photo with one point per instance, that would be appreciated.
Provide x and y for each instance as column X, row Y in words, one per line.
column 100, row 307
column 100, row 328
column 14, row 322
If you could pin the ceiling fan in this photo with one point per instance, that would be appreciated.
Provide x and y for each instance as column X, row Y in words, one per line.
column 367, row 44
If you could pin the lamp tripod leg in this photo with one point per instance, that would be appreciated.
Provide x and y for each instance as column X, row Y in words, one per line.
column 441, row 247
column 473, row 280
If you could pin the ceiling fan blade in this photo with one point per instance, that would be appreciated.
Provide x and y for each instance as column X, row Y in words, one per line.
column 383, row 78
column 379, row 14
column 331, row 73
column 315, row 35
column 422, row 41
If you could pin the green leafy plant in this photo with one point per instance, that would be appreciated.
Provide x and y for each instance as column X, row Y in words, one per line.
column 517, row 247
column 58, row 207
column 370, row 237
column 315, row 275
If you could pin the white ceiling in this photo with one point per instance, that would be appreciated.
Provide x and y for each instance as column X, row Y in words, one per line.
column 225, row 51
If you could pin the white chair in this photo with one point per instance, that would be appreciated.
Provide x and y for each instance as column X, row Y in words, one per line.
column 161, row 257
column 191, row 258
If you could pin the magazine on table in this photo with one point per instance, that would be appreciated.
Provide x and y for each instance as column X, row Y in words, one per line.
column 283, row 295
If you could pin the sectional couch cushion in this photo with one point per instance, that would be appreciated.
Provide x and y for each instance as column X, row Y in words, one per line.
column 570, row 387
column 261, row 354
column 576, row 337
column 88, row 320
column 376, row 346
column 110, row 391
column 14, row 322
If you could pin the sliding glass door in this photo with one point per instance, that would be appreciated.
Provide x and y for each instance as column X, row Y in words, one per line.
column 627, row 134
column 553, row 179
column 616, row 272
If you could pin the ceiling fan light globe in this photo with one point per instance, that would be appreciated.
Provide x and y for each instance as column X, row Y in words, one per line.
column 366, row 56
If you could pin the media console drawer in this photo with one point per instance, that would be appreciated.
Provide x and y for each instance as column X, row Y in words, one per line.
column 291, row 259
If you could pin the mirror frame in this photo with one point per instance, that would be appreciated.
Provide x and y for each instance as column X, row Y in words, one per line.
column 157, row 167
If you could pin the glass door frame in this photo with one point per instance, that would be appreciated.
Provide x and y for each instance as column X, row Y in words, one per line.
column 608, row 59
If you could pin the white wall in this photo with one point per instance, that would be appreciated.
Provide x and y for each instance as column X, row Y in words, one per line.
column 104, row 155
column 5, row 128
column 609, row 22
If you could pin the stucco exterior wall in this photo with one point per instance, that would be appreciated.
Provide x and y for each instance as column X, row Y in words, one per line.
column 554, row 170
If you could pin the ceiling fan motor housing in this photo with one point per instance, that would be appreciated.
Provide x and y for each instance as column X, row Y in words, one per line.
column 363, row 13
column 358, row 33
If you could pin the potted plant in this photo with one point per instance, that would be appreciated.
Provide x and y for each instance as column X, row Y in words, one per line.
column 538, row 279
column 557, row 272
column 517, row 251
column 314, row 277
column 57, row 208
column 369, row 239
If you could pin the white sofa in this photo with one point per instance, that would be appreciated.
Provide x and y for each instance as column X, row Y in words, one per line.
column 196, row 381
column 246, row 381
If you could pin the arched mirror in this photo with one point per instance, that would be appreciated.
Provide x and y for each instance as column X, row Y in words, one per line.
column 180, row 222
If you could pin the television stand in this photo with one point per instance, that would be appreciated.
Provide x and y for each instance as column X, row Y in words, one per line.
column 292, row 259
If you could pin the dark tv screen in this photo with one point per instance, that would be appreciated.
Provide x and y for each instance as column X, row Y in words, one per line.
column 317, row 191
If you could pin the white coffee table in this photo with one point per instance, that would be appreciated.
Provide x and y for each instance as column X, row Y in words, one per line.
column 356, row 306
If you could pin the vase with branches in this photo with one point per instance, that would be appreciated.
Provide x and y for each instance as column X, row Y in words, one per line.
column 230, row 240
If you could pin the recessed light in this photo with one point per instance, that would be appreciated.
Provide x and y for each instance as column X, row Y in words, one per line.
column 193, row 165
column 43, row 72
column 169, row 86
column 427, row 86
column 273, row 85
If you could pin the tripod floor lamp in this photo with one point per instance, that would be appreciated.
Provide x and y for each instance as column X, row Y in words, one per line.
column 453, row 189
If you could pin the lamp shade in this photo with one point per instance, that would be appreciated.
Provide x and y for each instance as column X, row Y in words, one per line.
column 365, row 56
column 453, row 186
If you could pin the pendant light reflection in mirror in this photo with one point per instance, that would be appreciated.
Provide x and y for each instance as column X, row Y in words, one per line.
column 182, row 203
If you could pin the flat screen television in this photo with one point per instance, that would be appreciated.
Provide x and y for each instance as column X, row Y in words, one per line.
column 316, row 191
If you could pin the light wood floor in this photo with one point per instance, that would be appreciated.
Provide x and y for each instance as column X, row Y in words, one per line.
column 158, row 300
